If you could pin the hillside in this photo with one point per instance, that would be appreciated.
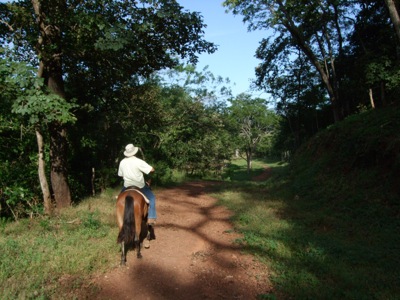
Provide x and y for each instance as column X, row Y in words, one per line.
column 346, row 209
column 355, row 163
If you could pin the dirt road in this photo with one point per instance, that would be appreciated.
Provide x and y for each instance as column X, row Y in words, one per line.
column 193, row 256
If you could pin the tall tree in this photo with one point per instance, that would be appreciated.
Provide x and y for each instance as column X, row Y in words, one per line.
column 317, row 28
column 96, row 45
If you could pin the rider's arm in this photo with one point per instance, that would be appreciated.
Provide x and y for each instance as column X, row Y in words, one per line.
column 148, row 181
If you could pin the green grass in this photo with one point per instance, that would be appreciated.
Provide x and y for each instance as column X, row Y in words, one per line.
column 40, row 254
column 237, row 169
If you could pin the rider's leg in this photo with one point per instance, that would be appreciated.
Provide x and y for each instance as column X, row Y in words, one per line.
column 152, row 205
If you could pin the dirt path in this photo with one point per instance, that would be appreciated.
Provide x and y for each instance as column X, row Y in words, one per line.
column 193, row 256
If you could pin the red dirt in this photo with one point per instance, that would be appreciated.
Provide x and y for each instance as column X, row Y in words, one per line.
column 193, row 256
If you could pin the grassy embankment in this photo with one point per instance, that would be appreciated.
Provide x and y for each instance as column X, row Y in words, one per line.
column 326, row 227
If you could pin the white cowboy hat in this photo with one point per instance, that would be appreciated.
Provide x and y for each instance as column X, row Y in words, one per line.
column 130, row 150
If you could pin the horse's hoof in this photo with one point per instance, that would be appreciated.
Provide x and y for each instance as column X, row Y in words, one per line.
column 139, row 256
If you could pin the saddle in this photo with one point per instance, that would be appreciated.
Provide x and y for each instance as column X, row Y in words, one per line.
column 135, row 188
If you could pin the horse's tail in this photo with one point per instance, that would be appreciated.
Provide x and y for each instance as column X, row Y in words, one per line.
column 127, row 232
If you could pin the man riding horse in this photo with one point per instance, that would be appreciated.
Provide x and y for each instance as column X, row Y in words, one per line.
column 131, row 169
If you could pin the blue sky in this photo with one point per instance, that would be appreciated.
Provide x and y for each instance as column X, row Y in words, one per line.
column 236, row 46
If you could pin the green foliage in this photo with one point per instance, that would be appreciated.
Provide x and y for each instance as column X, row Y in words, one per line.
column 327, row 225
column 195, row 140
column 29, row 96
column 18, row 186
column 164, row 174
column 374, row 55
column 236, row 170
column 96, row 60
column 202, row 85
column 383, row 71
column 32, row 100
column 44, row 108
column 326, row 231
column 21, row 201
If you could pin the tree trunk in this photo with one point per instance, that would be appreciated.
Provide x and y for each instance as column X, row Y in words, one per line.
column 58, row 175
column 248, row 160
column 394, row 16
column 58, row 139
column 50, row 70
column 333, row 95
column 371, row 98
column 42, row 174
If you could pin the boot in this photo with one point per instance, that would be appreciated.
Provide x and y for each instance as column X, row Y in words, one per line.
column 151, row 235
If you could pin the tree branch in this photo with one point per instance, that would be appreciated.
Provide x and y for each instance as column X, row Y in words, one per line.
column 8, row 25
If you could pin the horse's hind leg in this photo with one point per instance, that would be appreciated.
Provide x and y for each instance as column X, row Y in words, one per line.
column 123, row 254
column 149, row 236
column 137, row 246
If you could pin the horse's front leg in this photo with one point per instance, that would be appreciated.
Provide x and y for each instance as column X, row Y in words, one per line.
column 123, row 254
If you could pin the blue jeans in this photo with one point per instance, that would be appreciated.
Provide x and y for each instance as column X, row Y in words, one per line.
column 152, row 205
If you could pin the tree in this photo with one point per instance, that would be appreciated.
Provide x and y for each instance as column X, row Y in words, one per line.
column 193, row 138
column 16, row 78
column 95, row 46
column 299, row 97
column 43, row 109
column 394, row 16
column 317, row 28
column 251, row 122
column 373, row 56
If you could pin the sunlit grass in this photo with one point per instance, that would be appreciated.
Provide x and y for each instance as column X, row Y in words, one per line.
column 39, row 254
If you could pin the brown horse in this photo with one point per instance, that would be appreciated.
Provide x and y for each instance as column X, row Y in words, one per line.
column 132, row 210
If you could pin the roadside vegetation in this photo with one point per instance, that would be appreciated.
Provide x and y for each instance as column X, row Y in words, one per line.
column 327, row 225
column 322, row 232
